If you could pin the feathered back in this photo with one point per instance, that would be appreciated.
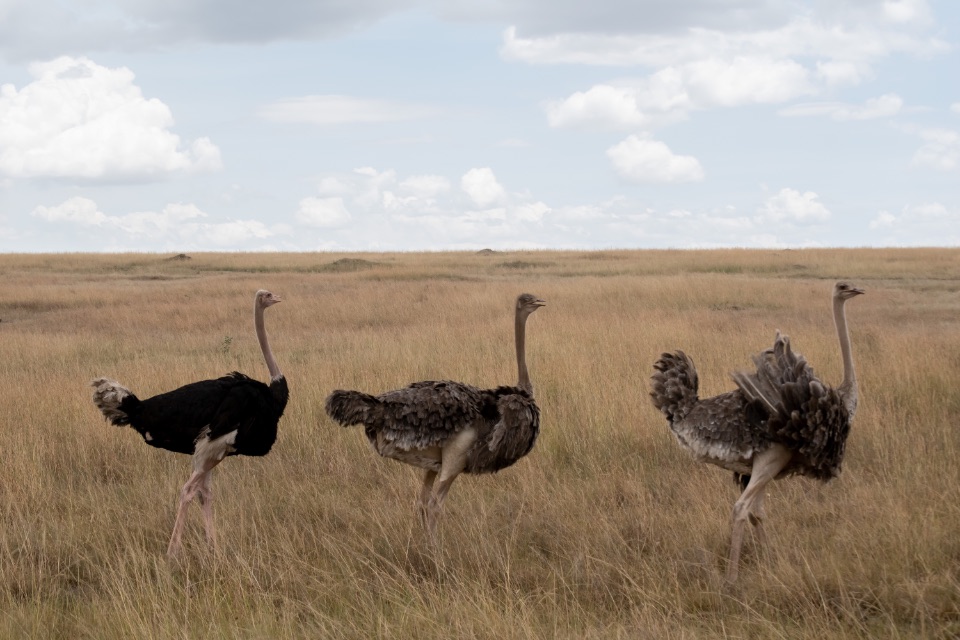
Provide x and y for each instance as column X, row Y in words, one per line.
column 511, row 437
column 674, row 385
column 805, row 415
column 423, row 414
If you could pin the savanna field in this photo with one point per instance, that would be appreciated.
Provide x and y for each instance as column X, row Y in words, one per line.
column 607, row 529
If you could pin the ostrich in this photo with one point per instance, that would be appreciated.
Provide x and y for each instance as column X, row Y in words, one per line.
column 780, row 421
column 448, row 428
column 210, row 419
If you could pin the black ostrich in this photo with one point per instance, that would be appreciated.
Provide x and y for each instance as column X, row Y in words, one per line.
column 210, row 419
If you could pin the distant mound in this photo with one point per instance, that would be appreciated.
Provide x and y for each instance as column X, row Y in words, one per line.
column 487, row 252
column 180, row 257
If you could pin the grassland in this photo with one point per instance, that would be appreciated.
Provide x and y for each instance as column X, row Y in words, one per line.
column 607, row 530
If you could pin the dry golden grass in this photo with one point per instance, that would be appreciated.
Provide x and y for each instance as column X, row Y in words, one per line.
column 607, row 530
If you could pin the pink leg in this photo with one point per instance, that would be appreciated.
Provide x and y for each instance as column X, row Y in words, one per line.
column 453, row 461
column 766, row 466
column 448, row 473
column 426, row 490
column 195, row 484
column 206, row 504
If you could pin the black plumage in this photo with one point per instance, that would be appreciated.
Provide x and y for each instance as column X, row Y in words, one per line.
column 780, row 421
column 447, row 427
column 210, row 420
column 175, row 420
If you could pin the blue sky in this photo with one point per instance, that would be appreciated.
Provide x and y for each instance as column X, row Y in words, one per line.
column 190, row 125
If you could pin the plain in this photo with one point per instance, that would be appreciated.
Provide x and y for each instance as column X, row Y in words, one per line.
column 607, row 529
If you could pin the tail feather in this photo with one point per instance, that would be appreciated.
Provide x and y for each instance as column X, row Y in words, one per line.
column 805, row 415
column 350, row 407
column 674, row 385
column 114, row 400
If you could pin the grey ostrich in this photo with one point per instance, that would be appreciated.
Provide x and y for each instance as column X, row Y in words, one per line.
column 780, row 421
column 448, row 428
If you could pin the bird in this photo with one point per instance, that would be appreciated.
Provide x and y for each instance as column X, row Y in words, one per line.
column 446, row 427
column 781, row 420
column 210, row 419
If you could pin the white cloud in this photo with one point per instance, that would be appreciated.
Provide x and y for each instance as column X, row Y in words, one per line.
column 177, row 225
column 674, row 91
column 425, row 212
column 841, row 73
column 837, row 39
column 792, row 206
column 156, row 224
column 323, row 212
column 745, row 80
column 940, row 151
column 884, row 220
column 883, row 106
column 337, row 109
column 425, row 186
column 955, row 107
column 482, row 187
column 77, row 210
column 927, row 224
column 700, row 68
column 531, row 212
column 906, row 11
column 78, row 119
column 642, row 160
column 602, row 106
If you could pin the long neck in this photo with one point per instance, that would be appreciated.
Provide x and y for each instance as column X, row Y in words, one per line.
column 265, row 343
column 523, row 377
column 848, row 388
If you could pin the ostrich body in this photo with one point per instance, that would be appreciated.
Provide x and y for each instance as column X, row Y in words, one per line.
column 210, row 419
column 448, row 428
column 780, row 421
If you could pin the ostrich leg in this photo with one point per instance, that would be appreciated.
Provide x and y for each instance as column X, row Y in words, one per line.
column 195, row 484
column 766, row 466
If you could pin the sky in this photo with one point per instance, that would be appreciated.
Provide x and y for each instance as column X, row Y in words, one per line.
column 412, row 125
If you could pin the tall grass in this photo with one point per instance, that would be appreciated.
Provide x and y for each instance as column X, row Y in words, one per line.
column 607, row 529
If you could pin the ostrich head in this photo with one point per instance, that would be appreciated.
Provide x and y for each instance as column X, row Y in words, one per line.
column 527, row 303
column 844, row 291
column 266, row 299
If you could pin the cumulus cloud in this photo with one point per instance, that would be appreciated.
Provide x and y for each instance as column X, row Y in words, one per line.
column 926, row 224
column 641, row 160
column 77, row 210
column 323, row 212
column 424, row 211
column 176, row 225
column 601, row 106
column 674, row 91
column 698, row 67
column 792, row 206
column 883, row 106
column 78, row 119
column 482, row 187
column 425, row 186
column 330, row 110
column 940, row 150
column 828, row 36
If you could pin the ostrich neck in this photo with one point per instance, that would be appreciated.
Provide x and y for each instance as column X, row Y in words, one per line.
column 265, row 344
column 523, row 377
column 848, row 388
